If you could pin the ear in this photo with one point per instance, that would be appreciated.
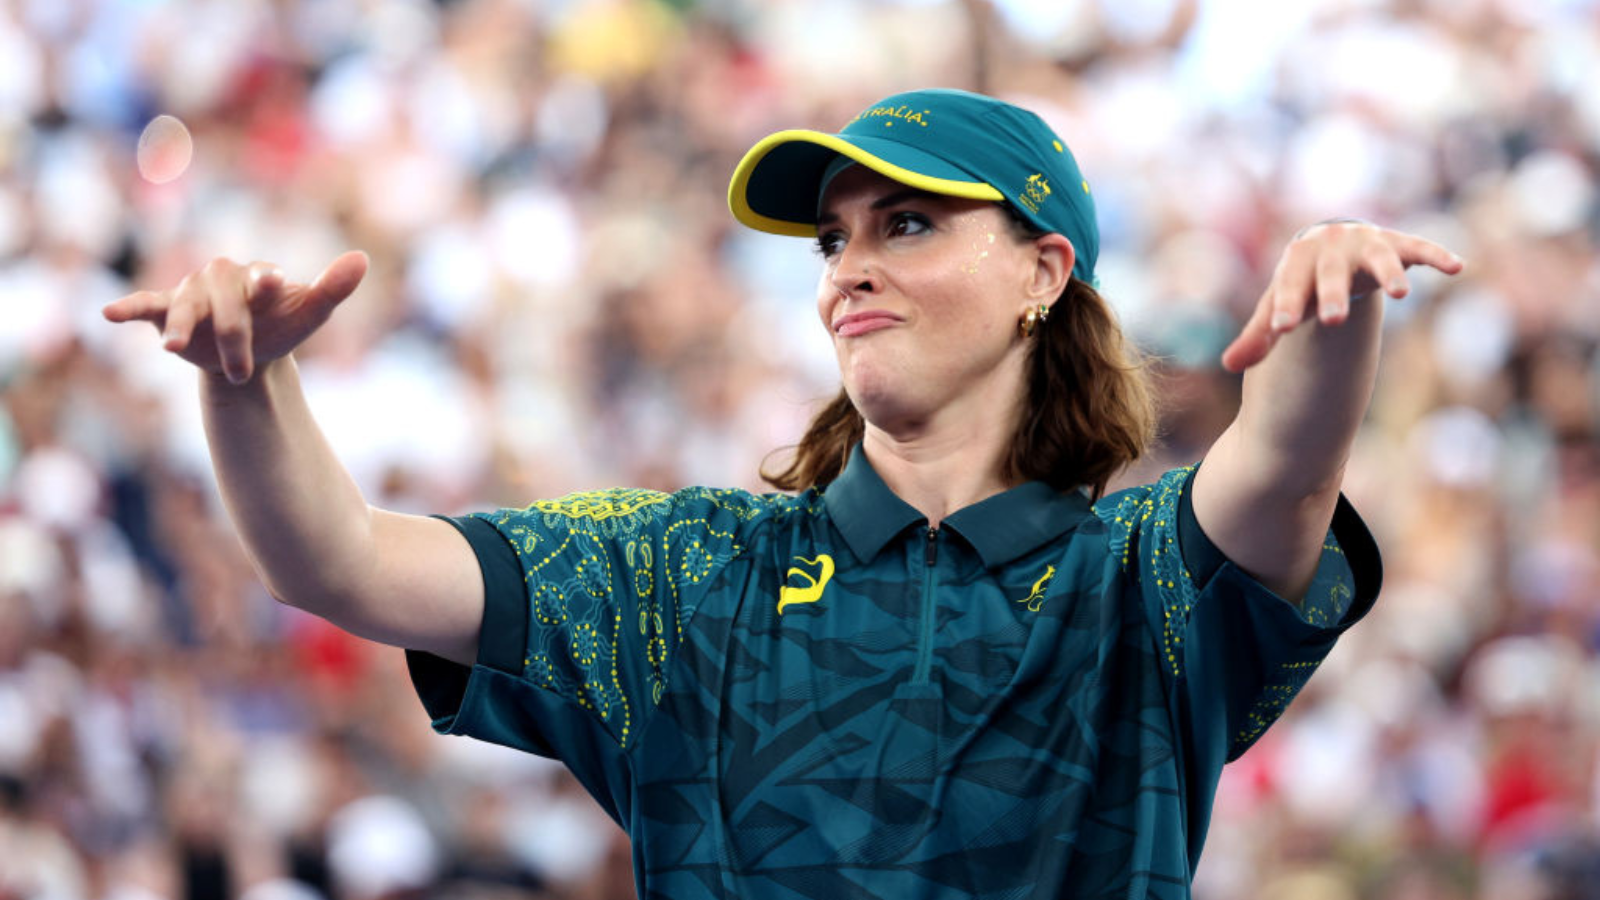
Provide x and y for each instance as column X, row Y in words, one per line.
column 1052, row 268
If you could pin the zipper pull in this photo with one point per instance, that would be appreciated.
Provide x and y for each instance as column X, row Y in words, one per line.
column 933, row 546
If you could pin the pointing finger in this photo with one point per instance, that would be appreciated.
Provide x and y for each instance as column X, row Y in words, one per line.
column 339, row 280
column 1419, row 251
column 139, row 305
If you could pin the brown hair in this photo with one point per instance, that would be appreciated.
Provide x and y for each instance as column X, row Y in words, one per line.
column 1089, row 412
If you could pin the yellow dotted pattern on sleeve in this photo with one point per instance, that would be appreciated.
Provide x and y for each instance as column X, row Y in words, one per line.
column 690, row 560
column 598, row 564
column 1325, row 604
column 1144, row 540
column 1275, row 698
column 1328, row 600
column 1145, row 522
column 601, row 506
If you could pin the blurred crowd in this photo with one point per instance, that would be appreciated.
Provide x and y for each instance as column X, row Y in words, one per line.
column 560, row 301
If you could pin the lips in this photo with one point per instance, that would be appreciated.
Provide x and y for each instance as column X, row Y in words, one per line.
column 857, row 324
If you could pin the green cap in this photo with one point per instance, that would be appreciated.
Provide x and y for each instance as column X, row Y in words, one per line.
column 942, row 141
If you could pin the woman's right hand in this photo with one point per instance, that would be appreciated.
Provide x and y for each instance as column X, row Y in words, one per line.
column 228, row 318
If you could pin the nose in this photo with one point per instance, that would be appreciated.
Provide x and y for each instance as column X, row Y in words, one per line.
column 854, row 272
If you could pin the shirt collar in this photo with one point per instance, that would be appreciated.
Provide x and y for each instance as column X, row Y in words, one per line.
column 1013, row 523
column 1001, row 528
column 866, row 512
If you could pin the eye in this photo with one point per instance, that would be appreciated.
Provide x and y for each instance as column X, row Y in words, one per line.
column 903, row 224
column 829, row 243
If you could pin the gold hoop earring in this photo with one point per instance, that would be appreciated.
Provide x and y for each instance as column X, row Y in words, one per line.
column 1033, row 318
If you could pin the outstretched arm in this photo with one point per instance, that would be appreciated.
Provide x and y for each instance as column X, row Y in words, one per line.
column 314, row 541
column 1266, row 491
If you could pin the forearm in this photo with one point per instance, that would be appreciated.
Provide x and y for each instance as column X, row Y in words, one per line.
column 1267, row 491
column 301, row 517
column 1302, row 405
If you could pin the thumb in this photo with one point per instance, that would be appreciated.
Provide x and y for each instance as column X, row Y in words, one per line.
column 1245, row 351
column 339, row 280
column 1254, row 342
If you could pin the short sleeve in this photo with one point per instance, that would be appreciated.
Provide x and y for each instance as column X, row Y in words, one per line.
column 1236, row 653
column 502, row 637
column 587, row 597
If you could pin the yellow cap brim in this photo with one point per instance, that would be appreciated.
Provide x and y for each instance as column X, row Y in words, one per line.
column 890, row 159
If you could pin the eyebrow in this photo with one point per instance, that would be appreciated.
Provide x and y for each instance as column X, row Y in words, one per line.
column 884, row 202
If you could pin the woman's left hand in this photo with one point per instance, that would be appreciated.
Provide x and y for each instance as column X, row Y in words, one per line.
column 1323, row 270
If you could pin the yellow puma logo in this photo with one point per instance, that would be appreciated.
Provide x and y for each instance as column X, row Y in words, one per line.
column 1035, row 598
column 812, row 592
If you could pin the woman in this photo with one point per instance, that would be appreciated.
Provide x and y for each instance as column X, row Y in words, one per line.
column 937, row 670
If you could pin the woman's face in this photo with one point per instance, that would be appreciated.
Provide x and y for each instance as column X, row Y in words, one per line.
column 922, row 294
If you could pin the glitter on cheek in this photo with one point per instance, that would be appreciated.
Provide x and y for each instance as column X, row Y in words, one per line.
column 972, row 268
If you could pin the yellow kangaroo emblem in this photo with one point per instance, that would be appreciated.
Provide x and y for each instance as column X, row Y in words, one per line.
column 1035, row 599
column 812, row 592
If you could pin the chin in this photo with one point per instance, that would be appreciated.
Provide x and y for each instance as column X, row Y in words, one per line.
column 882, row 386
column 881, row 402
column 869, row 384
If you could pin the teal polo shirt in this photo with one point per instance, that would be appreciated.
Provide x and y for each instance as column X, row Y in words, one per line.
column 818, row 696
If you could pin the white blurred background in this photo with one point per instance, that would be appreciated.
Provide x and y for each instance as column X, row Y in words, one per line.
column 560, row 301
